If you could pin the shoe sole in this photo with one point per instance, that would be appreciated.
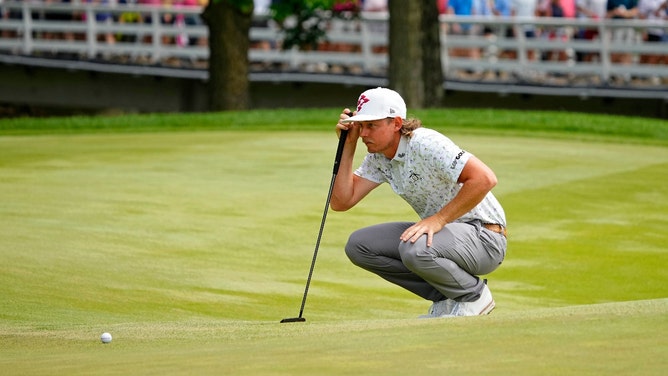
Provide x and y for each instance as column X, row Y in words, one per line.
column 488, row 308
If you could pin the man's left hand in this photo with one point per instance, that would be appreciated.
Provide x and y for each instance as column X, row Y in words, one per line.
column 429, row 226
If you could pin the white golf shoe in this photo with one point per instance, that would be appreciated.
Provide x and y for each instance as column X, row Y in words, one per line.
column 484, row 305
column 441, row 308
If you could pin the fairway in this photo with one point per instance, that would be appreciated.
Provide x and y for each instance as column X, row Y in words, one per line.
column 190, row 246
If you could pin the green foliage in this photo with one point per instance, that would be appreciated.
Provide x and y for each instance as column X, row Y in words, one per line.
column 285, row 8
column 302, row 21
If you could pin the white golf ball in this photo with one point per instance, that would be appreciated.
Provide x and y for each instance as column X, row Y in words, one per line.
column 105, row 338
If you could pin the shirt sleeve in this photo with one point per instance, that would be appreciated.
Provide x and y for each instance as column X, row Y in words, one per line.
column 370, row 170
column 456, row 163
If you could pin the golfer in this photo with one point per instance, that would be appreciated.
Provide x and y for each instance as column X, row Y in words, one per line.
column 461, row 233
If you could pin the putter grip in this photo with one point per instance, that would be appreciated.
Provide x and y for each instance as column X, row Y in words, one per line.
column 339, row 151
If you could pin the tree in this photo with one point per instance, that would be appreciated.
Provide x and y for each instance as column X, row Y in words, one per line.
column 415, row 52
column 229, row 23
column 432, row 68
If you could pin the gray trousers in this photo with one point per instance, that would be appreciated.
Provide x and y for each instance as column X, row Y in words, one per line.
column 448, row 269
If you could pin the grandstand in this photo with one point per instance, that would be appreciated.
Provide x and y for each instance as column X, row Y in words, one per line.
column 167, row 41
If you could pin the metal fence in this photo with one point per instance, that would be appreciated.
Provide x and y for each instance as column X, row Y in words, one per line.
column 564, row 52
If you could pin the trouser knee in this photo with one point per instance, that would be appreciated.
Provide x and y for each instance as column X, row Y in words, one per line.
column 414, row 256
column 354, row 250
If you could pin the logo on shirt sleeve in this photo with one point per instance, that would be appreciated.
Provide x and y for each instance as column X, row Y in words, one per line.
column 457, row 158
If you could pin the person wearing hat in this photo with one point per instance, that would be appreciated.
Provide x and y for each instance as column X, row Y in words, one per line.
column 461, row 233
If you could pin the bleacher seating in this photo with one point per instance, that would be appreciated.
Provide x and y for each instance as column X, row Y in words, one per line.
column 170, row 37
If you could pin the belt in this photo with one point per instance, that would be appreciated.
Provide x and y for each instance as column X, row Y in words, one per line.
column 493, row 227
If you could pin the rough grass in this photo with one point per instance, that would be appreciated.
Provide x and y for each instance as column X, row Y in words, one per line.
column 495, row 121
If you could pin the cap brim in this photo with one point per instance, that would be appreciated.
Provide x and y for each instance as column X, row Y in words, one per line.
column 362, row 118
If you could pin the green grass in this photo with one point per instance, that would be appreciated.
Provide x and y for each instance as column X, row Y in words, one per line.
column 188, row 237
column 495, row 121
column 593, row 340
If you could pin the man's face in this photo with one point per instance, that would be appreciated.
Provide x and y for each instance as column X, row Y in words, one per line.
column 381, row 136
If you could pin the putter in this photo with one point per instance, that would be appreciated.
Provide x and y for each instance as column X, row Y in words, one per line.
column 337, row 160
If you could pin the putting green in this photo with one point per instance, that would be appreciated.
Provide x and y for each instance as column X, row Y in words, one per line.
column 189, row 247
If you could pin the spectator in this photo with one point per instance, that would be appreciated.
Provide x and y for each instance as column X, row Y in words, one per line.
column 182, row 21
column 483, row 8
column 554, row 9
column 148, row 18
column 442, row 6
column 654, row 10
column 525, row 9
column 261, row 17
column 106, row 18
column 128, row 17
column 594, row 9
column 168, row 18
column 590, row 9
column 503, row 8
column 463, row 8
column 4, row 16
column 7, row 14
column 622, row 10
column 194, row 20
column 59, row 16
column 375, row 26
column 568, row 8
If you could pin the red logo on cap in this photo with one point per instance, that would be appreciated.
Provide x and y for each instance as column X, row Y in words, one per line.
column 363, row 99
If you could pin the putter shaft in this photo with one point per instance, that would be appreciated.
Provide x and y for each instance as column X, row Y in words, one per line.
column 335, row 170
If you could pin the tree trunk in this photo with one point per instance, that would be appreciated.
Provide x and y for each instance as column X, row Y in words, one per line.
column 415, row 52
column 229, row 41
column 432, row 69
column 405, row 70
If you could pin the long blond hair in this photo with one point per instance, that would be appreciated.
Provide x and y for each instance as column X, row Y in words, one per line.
column 409, row 125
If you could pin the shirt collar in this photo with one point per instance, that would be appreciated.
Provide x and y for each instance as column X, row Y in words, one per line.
column 401, row 149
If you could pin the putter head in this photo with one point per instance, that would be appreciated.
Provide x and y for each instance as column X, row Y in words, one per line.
column 293, row 319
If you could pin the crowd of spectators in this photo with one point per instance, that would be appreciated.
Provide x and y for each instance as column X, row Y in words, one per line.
column 112, row 16
column 584, row 9
column 526, row 9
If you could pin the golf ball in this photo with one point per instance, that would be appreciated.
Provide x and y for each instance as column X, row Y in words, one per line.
column 105, row 338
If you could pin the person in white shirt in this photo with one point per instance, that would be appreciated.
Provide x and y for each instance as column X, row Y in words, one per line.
column 525, row 10
column 461, row 233
column 655, row 11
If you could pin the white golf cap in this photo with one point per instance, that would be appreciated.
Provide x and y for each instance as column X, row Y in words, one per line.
column 379, row 103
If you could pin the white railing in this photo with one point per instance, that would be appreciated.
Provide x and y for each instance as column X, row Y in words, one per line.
column 178, row 37
column 556, row 49
column 94, row 30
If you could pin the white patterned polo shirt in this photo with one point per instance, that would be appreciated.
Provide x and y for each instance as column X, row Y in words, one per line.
column 424, row 172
